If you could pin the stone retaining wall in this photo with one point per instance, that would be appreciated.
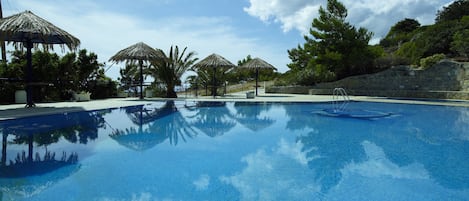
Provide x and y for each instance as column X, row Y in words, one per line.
column 288, row 89
column 444, row 80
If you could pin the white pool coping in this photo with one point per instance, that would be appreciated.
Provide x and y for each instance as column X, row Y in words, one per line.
column 18, row 110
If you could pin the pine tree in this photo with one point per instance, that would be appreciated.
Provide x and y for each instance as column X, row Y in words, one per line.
column 335, row 49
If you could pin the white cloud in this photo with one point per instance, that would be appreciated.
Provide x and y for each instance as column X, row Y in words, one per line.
column 378, row 165
column 202, row 182
column 376, row 15
column 293, row 151
column 296, row 14
column 286, row 173
column 280, row 175
column 106, row 31
column 378, row 176
column 460, row 127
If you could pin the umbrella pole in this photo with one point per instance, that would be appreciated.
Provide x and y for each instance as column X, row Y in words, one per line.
column 29, row 72
column 196, row 87
column 214, row 90
column 140, row 130
column 30, row 148
column 141, row 79
column 257, row 79
column 4, row 150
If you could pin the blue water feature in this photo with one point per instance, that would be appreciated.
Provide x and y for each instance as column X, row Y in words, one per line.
column 176, row 150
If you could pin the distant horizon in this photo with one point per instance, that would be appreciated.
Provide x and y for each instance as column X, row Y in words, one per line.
column 233, row 29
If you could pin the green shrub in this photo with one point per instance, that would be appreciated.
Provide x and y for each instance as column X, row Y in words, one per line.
column 431, row 60
column 460, row 43
column 281, row 82
column 410, row 51
column 102, row 88
column 306, row 77
column 389, row 61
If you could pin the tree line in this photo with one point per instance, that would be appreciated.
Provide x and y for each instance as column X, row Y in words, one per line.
column 56, row 77
column 335, row 49
column 168, row 71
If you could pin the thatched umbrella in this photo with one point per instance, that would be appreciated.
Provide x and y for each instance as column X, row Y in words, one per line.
column 28, row 178
column 137, row 140
column 214, row 61
column 33, row 182
column 212, row 118
column 139, row 52
column 143, row 114
column 26, row 175
column 27, row 29
column 140, row 139
column 257, row 64
column 248, row 114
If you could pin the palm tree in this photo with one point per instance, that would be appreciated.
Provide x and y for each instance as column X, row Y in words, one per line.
column 170, row 68
column 129, row 77
column 202, row 79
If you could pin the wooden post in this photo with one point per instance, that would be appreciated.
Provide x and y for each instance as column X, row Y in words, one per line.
column 2, row 43
column 141, row 78
column 29, row 74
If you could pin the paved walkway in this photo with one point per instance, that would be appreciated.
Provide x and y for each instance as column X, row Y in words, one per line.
column 18, row 110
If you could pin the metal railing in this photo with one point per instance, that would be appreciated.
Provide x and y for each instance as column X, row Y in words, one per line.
column 340, row 99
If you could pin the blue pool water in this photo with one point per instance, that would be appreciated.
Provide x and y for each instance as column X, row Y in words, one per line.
column 238, row 151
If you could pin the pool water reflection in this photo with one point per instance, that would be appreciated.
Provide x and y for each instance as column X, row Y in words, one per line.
column 237, row 151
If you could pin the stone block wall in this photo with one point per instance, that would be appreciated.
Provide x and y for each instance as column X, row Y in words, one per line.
column 443, row 76
column 446, row 79
column 288, row 89
column 465, row 85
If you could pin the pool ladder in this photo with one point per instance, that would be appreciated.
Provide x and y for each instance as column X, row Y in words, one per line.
column 340, row 99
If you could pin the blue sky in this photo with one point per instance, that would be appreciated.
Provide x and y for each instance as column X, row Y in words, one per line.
column 231, row 28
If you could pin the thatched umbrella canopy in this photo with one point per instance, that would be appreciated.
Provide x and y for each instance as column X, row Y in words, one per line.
column 138, row 140
column 257, row 64
column 214, row 61
column 138, row 52
column 143, row 114
column 27, row 29
column 26, row 175
column 256, row 123
column 249, row 115
column 27, row 178
column 212, row 118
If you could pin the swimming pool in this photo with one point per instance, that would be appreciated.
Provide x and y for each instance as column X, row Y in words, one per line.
column 238, row 151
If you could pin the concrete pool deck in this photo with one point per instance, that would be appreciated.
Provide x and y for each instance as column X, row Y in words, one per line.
column 18, row 110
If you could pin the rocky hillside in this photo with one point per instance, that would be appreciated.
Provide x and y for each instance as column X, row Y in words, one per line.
column 445, row 80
